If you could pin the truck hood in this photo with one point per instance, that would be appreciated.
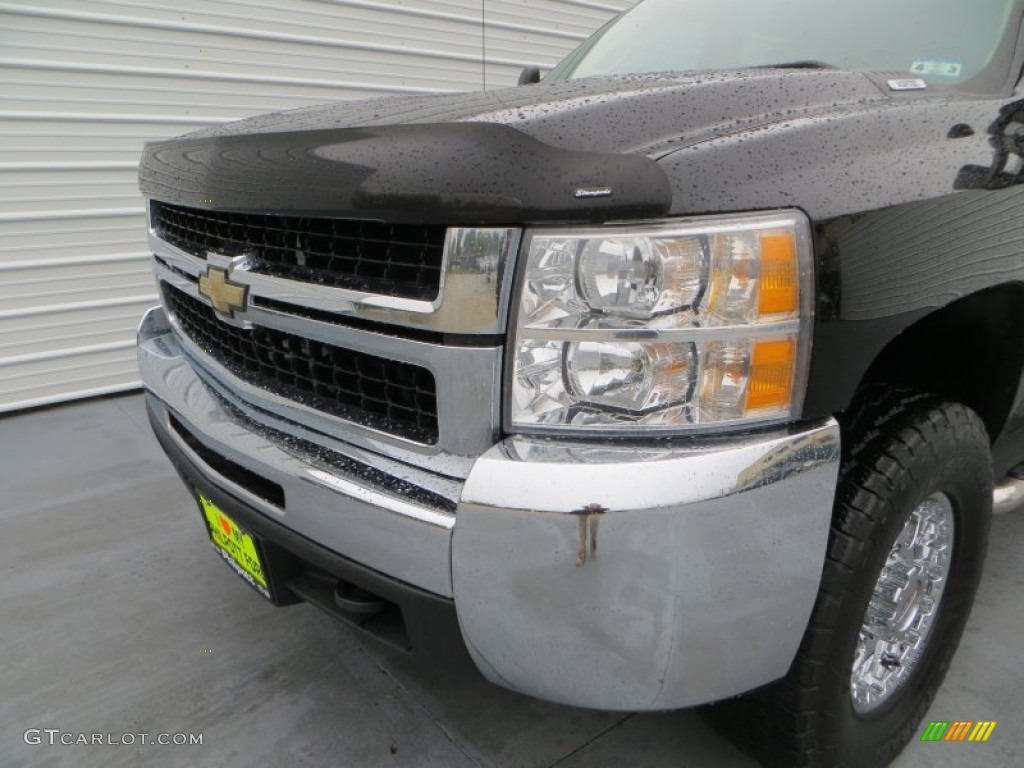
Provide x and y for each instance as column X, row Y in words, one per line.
column 640, row 114
column 584, row 151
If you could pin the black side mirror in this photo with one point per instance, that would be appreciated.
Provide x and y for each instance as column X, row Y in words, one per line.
column 529, row 76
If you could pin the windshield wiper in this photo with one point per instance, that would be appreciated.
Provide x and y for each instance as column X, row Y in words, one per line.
column 803, row 64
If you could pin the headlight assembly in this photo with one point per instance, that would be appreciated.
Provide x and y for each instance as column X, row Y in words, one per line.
column 676, row 326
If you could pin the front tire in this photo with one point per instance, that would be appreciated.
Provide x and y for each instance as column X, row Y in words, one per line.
column 905, row 555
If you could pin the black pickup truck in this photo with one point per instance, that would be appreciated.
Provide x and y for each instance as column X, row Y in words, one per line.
column 688, row 374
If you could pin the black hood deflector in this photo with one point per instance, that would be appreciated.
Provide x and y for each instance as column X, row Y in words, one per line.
column 444, row 173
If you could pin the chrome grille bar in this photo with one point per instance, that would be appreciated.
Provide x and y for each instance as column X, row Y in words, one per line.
column 474, row 287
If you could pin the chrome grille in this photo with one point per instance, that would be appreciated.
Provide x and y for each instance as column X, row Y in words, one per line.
column 401, row 260
column 391, row 396
column 440, row 417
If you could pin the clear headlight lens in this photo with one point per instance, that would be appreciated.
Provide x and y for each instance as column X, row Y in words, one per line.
column 674, row 326
column 640, row 277
column 632, row 376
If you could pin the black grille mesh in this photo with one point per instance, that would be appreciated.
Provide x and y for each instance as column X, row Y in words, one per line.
column 391, row 396
column 402, row 260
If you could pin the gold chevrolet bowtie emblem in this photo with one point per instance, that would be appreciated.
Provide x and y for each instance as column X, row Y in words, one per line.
column 226, row 297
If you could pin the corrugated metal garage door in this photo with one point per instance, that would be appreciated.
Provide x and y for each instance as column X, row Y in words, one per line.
column 84, row 83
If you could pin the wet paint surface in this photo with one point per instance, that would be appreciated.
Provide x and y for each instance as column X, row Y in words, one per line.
column 913, row 194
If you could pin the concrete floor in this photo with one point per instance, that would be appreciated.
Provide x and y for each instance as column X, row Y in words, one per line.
column 116, row 616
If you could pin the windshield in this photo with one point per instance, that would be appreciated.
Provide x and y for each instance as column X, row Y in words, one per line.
column 948, row 41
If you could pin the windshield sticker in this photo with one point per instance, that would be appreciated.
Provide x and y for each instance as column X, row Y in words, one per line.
column 907, row 84
column 937, row 67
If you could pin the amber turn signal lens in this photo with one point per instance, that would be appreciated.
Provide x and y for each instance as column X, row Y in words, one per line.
column 772, row 368
column 780, row 275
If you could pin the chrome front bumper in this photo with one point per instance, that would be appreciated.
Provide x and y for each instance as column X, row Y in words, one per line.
column 607, row 575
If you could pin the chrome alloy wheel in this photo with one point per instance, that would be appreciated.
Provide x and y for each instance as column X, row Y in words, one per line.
column 904, row 604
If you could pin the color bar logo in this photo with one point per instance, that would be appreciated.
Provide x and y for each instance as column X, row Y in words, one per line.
column 958, row 730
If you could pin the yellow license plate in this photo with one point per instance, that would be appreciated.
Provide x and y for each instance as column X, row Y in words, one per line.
column 236, row 546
